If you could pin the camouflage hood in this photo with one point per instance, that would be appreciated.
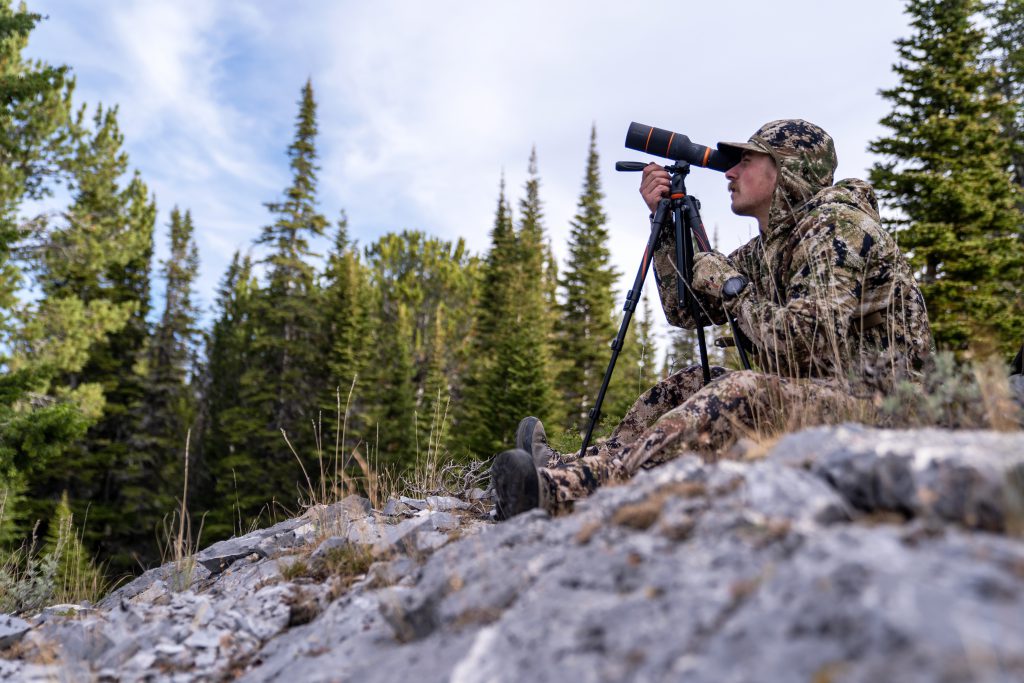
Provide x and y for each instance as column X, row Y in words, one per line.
column 805, row 157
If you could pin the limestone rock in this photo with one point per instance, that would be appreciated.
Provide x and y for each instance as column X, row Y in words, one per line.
column 845, row 554
column 973, row 478
column 11, row 630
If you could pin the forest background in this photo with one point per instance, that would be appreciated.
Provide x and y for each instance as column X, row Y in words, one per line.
column 413, row 342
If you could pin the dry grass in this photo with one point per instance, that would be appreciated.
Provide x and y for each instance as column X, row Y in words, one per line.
column 176, row 542
column 344, row 564
column 334, row 481
column 973, row 393
column 60, row 571
column 953, row 394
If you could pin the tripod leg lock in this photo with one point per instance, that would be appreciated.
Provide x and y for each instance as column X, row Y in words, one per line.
column 629, row 305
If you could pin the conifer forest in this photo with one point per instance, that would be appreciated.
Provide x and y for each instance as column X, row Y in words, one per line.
column 122, row 404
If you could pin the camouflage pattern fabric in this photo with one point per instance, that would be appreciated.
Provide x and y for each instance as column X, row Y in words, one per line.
column 831, row 308
column 817, row 275
column 707, row 420
column 646, row 410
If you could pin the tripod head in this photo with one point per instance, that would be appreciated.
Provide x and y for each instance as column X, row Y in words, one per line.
column 629, row 166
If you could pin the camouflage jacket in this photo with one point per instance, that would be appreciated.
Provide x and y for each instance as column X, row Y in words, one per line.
column 829, row 294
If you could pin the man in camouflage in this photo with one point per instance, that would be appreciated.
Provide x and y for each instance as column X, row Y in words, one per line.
column 825, row 298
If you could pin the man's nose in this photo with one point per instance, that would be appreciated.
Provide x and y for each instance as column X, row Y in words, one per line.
column 731, row 173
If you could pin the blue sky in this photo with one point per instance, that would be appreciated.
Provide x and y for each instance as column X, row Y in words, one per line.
column 423, row 105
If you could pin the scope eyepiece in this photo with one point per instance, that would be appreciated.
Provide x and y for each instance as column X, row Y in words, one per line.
column 665, row 143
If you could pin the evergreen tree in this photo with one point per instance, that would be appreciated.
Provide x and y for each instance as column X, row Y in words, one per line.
column 35, row 342
column 231, row 426
column 625, row 384
column 346, row 309
column 528, row 339
column 94, row 275
column 155, row 477
column 433, row 283
column 587, row 327
column 283, row 381
column 34, row 111
column 510, row 377
column 393, row 421
column 290, row 301
column 434, row 399
column 482, row 406
column 1007, row 50
column 946, row 175
column 648, row 343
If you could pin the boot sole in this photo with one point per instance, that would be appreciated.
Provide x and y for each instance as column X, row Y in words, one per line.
column 526, row 436
column 516, row 483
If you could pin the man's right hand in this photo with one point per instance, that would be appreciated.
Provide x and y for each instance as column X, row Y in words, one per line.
column 654, row 185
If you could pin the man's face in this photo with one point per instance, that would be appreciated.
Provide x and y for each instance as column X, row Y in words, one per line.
column 751, row 184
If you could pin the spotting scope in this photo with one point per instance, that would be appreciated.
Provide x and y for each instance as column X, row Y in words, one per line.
column 676, row 146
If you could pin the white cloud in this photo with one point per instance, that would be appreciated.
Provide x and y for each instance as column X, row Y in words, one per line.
column 422, row 105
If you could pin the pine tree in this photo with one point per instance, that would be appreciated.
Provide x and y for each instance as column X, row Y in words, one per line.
column 289, row 306
column 94, row 276
column 946, row 175
column 231, row 426
column 587, row 327
column 1007, row 54
column 394, row 417
column 481, row 406
column 34, row 113
column 35, row 343
column 649, row 344
column 434, row 282
column 527, row 338
column 510, row 377
column 346, row 310
column 155, row 477
column 434, row 399
column 283, row 381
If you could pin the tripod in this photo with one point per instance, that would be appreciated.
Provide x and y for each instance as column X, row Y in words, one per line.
column 683, row 211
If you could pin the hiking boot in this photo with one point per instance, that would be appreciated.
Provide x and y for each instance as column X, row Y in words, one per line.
column 516, row 483
column 530, row 437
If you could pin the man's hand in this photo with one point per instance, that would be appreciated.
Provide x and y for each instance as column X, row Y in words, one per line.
column 654, row 185
column 710, row 271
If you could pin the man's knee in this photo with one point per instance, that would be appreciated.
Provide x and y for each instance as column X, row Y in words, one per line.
column 679, row 386
column 740, row 382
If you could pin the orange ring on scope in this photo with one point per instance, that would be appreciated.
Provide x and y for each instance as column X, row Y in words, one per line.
column 649, row 134
column 707, row 153
column 668, row 147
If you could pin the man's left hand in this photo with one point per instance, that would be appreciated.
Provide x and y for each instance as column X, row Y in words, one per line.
column 710, row 271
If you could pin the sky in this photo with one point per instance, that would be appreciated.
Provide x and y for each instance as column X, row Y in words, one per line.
column 424, row 106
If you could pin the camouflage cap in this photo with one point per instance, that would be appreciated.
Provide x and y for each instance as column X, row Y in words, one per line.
column 788, row 138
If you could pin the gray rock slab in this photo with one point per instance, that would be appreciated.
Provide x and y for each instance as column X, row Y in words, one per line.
column 414, row 503
column 12, row 629
column 771, row 570
column 973, row 478
column 396, row 508
column 446, row 503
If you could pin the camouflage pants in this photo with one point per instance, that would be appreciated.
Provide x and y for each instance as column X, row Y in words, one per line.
column 680, row 414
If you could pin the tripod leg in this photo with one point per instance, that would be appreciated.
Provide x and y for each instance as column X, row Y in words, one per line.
column 632, row 301
column 684, row 256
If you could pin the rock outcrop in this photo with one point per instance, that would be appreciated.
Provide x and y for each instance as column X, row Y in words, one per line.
column 845, row 554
